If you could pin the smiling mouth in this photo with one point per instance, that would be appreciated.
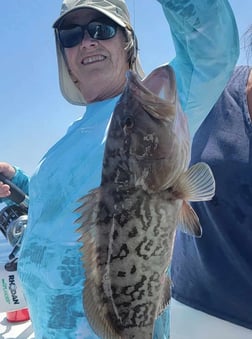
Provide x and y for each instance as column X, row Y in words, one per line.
column 93, row 59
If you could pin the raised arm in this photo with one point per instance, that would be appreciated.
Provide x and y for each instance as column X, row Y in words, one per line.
column 206, row 41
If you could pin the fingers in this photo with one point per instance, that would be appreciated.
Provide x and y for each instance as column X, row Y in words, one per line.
column 7, row 170
column 4, row 190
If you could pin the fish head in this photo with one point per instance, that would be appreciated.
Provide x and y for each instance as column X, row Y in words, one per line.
column 151, row 130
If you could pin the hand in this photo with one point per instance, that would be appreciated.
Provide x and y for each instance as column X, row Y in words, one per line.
column 8, row 171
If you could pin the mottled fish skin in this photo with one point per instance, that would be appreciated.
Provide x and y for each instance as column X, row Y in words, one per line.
column 154, row 141
column 128, row 224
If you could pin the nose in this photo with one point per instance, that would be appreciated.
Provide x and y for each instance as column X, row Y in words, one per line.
column 88, row 41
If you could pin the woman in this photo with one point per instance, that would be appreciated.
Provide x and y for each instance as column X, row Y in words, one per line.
column 95, row 47
column 212, row 276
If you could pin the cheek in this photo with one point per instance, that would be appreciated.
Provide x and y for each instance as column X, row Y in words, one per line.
column 123, row 58
column 118, row 50
column 120, row 60
column 70, row 54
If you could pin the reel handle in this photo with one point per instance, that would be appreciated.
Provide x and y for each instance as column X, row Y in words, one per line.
column 17, row 195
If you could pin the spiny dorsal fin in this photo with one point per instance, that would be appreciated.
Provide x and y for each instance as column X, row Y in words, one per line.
column 88, row 210
column 93, row 298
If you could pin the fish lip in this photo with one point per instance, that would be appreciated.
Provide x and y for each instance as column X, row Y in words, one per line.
column 144, row 158
column 91, row 59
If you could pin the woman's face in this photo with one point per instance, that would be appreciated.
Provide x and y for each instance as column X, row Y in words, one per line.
column 97, row 67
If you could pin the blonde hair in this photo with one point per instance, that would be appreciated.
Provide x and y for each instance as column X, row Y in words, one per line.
column 131, row 45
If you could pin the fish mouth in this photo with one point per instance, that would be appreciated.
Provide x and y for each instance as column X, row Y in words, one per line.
column 92, row 59
column 147, row 158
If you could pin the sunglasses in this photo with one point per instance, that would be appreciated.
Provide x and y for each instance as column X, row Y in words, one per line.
column 99, row 29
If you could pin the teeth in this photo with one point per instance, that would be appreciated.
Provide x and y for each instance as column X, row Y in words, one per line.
column 91, row 59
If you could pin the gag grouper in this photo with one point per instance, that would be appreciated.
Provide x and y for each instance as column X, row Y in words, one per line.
column 129, row 222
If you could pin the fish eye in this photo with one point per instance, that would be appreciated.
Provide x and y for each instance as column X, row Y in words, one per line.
column 128, row 122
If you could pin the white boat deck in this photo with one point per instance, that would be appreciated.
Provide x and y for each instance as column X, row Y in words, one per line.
column 9, row 330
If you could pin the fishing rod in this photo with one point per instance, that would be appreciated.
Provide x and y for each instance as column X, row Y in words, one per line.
column 13, row 218
column 13, row 221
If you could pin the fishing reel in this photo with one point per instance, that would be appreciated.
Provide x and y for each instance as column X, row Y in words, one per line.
column 14, row 218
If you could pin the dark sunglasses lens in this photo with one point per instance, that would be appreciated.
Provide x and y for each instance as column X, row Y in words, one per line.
column 101, row 31
column 71, row 37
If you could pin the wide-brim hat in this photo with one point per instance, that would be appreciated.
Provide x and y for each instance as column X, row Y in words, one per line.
column 115, row 10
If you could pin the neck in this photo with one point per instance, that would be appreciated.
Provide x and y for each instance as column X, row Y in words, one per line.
column 100, row 88
column 101, row 93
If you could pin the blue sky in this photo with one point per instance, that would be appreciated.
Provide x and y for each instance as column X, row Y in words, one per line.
column 33, row 113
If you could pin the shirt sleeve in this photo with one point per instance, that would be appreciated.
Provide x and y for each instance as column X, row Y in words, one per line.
column 21, row 180
column 206, row 41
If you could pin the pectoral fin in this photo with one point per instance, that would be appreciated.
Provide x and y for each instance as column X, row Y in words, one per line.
column 196, row 184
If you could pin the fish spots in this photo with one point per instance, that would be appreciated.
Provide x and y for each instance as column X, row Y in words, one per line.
column 121, row 274
column 120, row 177
column 145, row 288
column 153, row 284
column 161, row 249
column 122, row 218
column 104, row 213
column 136, row 291
column 136, row 303
column 115, row 235
column 146, row 244
column 133, row 232
column 148, row 248
column 124, row 274
column 133, row 269
column 144, row 248
column 123, row 252
column 150, row 142
column 139, row 316
column 144, row 213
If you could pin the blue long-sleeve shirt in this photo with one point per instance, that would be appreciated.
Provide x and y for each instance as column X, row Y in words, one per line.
column 50, row 268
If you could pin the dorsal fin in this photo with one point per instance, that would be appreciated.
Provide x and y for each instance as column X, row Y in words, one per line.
column 93, row 298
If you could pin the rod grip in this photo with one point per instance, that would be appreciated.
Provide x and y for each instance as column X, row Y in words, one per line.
column 17, row 195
